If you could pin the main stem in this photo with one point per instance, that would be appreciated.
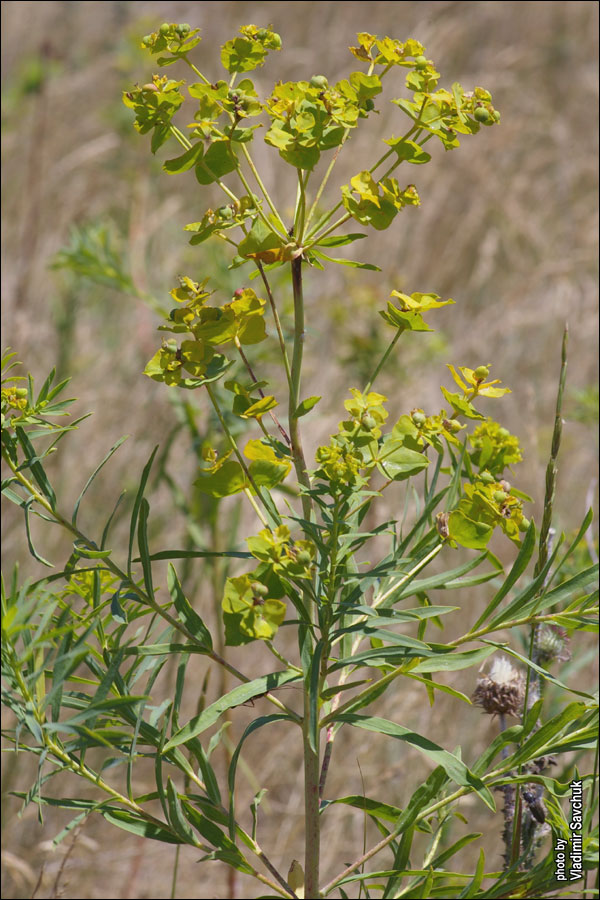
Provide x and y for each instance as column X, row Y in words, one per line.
column 311, row 755
column 294, row 430
column 312, row 824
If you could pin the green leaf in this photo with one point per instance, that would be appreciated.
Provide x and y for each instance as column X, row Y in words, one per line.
column 248, row 616
column 468, row 533
column 218, row 160
column 88, row 553
column 380, row 656
column 112, row 450
column 559, row 594
column 347, row 262
column 450, row 662
column 36, row 468
column 408, row 151
column 374, row 808
column 435, row 686
column 228, row 479
column 429, row 790
column 261, row 243
column 397, row 462
column 26, row 507
column 262, row 406
column 185, row 161
column 306, row 406
column 137, row 825
column 266, row 468
column 448, row 580
column 461, row 405
column 242, row 55
column 236, row 697
column 136, row 506
column 340, row 240
column 176, row 817
column 254, row 726
column 186, row 613
column 143, row 546
column 453, row 766
column 215, row 836
column 117, row 611
column 519, row 566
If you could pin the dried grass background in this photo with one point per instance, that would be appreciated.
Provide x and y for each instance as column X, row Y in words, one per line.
column 507, row 227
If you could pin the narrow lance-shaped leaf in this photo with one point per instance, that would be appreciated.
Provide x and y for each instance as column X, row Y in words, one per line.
column 252, row 727
column 187, row 615
column 136, row 506
column 451, row 764
column 112, row 450
column 236, row 697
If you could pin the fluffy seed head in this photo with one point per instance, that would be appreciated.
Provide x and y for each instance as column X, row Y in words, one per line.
column 502, row 690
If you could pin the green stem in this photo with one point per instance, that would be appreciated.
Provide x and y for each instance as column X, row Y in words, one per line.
column 311, row 755
column 262, row 187
column 324, row 219
column 398, row 584
column 282, row 430
column 382, row 361
column 241, row 459
column 300, row 216
column 188, row 146
column 326, row 179
column 175, row 870
column 251, row 165
column 197, row 71
column 294, row 401
column 313, row 238
column 276, row 319
column 311, row 807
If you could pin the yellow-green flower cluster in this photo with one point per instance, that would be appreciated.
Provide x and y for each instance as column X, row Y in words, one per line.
column 494, row 447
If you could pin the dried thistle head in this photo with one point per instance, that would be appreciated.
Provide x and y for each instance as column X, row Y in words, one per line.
column 501, row 690
column 552, row 645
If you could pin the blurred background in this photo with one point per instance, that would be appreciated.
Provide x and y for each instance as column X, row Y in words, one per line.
column 92, row 243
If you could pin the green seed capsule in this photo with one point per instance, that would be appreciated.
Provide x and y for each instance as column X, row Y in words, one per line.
column 503, row 433
column 369, row 104
column 482, row 114
column 487, row 478
column 184, row 29
column 147, row 40
column 496, row 115
column 164, row 28
column 275, row 41
column 481, row 372
column 453, row 425
column 150, row 87
column 524, row 524
column 303, row 558
column 319, row 81
column 421, row 62
column 500, row 496
column 419, row 418
column 260, row 589
column 369, row 422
